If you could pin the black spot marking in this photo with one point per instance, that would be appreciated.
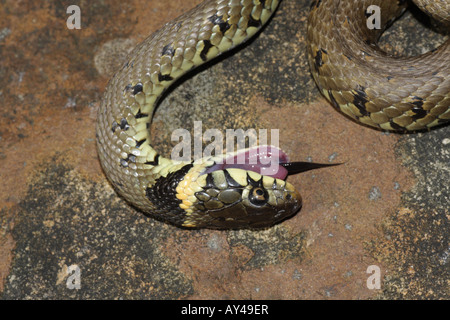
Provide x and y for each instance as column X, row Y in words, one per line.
column 218, row 21
column 128, row 88
column 165, row 77
column 155, row 161
column 207, row 45
column 129, row 64
column 396, row 126
column 140, row 115
column 231, row 182
column 389, row 77
column 124, row 124
column 419, row 113
column 163, row 193
column 124, row 163
column 139, row 143
column 168, row 51
column 114, row 126
column 254, row 183
column 360, row 100
column 137, row 88
column 209, row 182
column 332, row 99
column 418, row 102
column 131, row 158
column 318, row 61
column 252, row 22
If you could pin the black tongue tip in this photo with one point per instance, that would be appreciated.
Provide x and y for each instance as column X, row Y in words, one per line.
column 297, row 167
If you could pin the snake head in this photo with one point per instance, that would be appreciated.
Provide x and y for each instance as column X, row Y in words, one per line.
column 246, row 190
column 236, row 198
column 230, row 194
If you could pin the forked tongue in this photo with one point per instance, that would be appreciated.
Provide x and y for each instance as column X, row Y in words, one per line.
column 266, row 160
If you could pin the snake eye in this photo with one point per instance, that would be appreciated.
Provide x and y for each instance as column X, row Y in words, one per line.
column 258, row 196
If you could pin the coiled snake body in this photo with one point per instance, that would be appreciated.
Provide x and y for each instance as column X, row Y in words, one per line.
column 350, row 70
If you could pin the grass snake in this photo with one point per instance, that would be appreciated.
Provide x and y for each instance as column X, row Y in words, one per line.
column 352, row 72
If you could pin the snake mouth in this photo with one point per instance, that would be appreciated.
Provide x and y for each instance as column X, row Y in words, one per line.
column 267, row 161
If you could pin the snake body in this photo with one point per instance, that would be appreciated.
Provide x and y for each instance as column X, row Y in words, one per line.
column 391, row 93
column 349, row 69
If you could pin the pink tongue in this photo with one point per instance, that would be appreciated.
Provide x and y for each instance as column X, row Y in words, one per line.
column 264, row 160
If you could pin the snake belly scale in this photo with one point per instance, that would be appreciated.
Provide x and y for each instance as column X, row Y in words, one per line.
column 351, row 72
